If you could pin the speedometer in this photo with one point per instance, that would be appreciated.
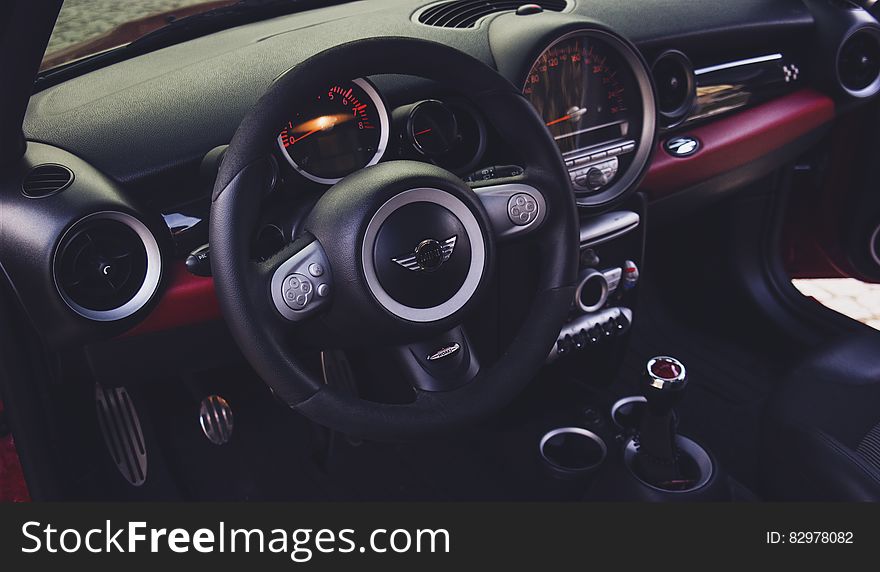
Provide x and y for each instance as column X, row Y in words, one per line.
column 594, row 93
column 340, row 131
column 582, row 90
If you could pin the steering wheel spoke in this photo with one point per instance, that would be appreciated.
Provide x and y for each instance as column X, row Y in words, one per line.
column 515, row 209
column 442, row 363
column 300, row 279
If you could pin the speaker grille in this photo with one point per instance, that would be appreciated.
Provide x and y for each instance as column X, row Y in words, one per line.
column 466, row 13
column 45, row 180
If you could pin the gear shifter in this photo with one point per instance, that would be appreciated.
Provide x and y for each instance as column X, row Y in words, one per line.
column 658, row 459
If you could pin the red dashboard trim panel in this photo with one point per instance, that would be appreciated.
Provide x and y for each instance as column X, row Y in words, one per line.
column 727, row 143
column 738, row 139
column 187, row 300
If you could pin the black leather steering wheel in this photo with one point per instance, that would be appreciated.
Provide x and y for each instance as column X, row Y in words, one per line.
column 396, row 254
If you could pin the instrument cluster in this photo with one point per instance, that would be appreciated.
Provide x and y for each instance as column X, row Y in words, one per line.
column 349, row 127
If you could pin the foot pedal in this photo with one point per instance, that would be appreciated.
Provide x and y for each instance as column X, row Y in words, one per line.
column 121, row 428
column 215, row 417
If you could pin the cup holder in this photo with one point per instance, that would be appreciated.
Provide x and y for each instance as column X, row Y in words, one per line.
column 695, row 464
column 626, row 413
column 572, row 452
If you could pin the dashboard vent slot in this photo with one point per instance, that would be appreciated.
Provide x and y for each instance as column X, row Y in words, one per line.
column 107, row 266
column 466, row 13
column 858, row 63
column 45, row 180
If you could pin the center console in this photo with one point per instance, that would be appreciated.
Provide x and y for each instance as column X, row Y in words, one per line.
column 631, row 449
column 602, row 310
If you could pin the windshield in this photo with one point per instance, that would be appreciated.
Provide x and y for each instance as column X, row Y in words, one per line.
column 87, row 27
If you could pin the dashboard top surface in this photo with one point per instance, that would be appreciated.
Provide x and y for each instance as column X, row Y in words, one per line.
column 127, row 118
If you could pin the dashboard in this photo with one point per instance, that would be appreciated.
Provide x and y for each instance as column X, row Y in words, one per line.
column 655, row 98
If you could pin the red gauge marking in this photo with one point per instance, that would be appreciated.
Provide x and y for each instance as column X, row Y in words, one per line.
column 423, row 132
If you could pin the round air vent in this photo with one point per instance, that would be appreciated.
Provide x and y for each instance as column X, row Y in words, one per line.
column 107, row 266
column 45, row 180
column 858, row 63
column 676, row 86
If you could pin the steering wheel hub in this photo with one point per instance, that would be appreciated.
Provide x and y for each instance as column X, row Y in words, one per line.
column 424, row 254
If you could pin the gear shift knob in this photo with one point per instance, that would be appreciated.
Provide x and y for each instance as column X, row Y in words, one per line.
column 663, row 384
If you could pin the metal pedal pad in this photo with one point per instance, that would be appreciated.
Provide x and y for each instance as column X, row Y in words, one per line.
column 121, row 428
column 215, row 417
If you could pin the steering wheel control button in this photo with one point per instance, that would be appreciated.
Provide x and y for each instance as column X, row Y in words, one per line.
column 297, row 291
column 294, row 287
column 522, row 209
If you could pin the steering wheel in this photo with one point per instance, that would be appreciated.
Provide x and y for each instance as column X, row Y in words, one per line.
column 395, row 255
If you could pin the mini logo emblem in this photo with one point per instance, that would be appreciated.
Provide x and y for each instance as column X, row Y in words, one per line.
column 443, row 352
column 682, row 146
column 429, row 255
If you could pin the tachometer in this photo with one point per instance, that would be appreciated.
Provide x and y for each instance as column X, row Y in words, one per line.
column 340, row 131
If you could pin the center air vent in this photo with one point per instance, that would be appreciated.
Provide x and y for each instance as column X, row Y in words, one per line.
column 45, row 180
column 107, row 266
column 466, row 13
column 858, row 63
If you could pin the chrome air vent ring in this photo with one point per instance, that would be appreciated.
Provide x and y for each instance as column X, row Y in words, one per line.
column 858, row 63
column 107, row 266
column 676, row 86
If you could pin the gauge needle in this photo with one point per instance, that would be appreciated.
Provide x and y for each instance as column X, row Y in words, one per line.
column 323, row 123
column 573, row 113
column 424, row 131
column 560, row 120
column 301, row 137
